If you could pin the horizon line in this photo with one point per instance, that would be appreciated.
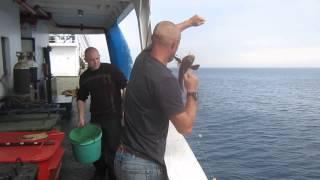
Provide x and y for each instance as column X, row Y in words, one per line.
column 217, row 67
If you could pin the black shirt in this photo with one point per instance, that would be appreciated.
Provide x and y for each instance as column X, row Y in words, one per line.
column 104, row 86
column 152, row 96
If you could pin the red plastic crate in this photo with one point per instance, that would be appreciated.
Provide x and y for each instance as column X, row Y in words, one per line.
column 48, row 157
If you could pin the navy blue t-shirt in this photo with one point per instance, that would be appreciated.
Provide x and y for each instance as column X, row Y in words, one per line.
column 153, row 95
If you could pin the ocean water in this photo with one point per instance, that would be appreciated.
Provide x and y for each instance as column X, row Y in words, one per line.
column 258, row 123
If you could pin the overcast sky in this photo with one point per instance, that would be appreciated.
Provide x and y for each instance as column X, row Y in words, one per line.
column 241, row 33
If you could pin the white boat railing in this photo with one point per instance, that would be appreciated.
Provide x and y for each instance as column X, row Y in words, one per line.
column 180, row 161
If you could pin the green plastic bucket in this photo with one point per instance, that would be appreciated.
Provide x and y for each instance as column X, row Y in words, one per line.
column 86, row 143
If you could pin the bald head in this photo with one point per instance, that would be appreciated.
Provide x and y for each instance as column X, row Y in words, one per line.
column 166, row 33
column 89, row 51
column 92, row 57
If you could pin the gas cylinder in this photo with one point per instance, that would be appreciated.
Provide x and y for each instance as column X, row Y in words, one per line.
column 33, row 66
column 21, row 75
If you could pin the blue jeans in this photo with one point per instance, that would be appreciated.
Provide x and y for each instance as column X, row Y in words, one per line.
column 131, row 167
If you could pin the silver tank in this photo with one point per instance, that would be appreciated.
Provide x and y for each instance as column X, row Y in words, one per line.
column 33, row 66
column 21, row 75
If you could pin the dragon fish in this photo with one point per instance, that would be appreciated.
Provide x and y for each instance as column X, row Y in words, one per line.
column 185, row 64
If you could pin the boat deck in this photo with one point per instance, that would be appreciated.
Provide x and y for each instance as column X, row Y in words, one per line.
column 180, row 160
column 71, row 169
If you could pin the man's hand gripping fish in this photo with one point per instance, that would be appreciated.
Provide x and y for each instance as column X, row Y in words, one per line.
column 185, row 64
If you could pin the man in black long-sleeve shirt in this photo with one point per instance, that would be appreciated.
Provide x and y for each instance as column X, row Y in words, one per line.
column 103, row 82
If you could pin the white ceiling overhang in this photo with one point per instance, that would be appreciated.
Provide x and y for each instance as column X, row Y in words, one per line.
column 75, row 16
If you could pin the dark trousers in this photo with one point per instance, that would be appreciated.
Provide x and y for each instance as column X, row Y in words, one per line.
column 111, row 130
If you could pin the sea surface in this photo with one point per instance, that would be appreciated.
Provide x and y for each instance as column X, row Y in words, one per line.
column 258, row 124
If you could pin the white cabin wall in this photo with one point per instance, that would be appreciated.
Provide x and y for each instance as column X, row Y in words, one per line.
column 26, row 30
column 10, row 28
column 64, row 60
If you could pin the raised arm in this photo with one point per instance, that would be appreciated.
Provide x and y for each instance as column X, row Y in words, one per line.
column 193, row 21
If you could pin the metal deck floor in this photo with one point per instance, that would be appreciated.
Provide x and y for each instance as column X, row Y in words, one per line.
column 71, row 169
column 180, row 160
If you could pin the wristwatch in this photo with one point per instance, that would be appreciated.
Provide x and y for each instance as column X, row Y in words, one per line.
column 193, row 94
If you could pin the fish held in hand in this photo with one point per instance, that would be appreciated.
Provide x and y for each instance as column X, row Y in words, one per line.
column 185, row 64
